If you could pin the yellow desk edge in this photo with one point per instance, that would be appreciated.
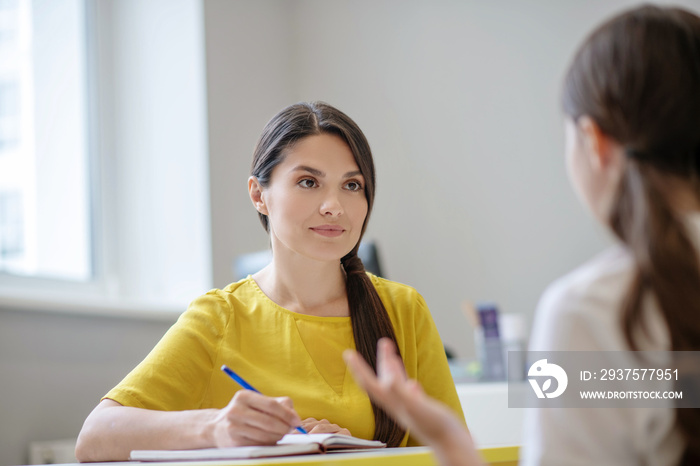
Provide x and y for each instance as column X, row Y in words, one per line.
column 501, row 456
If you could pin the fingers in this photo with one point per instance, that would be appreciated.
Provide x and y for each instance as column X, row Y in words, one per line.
column 390, row 368
column 278, row 409
column 414, row 388
column 362, row 372
column 254, row 419
column 314, row 426
column 285, row 401
column 264, row 422
column 325, row 428
column 404, row 399
column 391, row 389
column 390, row 377
column 232, row 431
column 332, row 429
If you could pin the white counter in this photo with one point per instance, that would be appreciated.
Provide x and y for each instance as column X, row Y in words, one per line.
column 490, row 420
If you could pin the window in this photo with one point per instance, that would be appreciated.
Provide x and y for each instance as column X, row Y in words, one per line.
column 103, row 160
column 44, row 178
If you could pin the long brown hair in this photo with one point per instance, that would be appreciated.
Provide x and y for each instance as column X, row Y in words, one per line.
column 638, row 77
column 369, row 318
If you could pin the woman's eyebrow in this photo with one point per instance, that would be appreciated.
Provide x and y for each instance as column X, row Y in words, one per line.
column 305, row 168
column 320, row 174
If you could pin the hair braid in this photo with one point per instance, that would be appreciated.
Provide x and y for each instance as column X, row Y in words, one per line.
column 370, row 322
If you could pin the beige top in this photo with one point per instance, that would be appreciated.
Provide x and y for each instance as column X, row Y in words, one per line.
column 581, row 312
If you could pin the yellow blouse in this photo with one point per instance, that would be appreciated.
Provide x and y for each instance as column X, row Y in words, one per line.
column 282, row 353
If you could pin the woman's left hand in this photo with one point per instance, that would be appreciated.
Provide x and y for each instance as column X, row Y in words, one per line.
column 432, row 422
column 314, row 426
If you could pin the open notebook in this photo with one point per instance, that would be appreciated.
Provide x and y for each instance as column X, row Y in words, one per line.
column 291, row 444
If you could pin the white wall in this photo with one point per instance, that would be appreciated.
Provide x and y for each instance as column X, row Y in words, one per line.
column 459, row 100
column 54, row 368
column 250, row 76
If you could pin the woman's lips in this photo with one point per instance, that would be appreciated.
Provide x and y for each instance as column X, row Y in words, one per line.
column 329, row 230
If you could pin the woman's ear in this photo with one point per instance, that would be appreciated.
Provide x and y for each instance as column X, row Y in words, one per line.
column 255, row 191
column 601, row 150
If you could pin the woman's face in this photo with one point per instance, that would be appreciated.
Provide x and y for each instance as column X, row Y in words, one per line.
column 315, row 201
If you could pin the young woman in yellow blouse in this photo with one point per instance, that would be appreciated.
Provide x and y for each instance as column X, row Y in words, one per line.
column 283, row 329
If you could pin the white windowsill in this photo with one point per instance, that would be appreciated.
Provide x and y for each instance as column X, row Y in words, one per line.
column 90, row 306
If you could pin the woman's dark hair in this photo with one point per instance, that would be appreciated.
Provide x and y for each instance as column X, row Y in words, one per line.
column 369, row 318
column 638, row 77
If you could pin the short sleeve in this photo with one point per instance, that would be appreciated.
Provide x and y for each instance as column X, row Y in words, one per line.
column 176, row 373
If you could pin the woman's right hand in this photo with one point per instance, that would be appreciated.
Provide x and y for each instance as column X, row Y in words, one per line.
column 112, row 431
column 251, row 418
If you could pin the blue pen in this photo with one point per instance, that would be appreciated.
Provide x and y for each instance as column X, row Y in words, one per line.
column 248, row 386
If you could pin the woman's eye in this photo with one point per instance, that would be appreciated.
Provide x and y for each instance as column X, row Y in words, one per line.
column 353, row 186
column 307, row 183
